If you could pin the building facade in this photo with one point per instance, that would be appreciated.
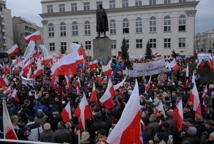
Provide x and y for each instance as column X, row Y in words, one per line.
column 6, row 28
column 22, row 28
column 168, row 25
column 205, row 41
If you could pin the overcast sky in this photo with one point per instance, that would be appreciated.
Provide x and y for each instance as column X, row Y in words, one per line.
column 30, row 9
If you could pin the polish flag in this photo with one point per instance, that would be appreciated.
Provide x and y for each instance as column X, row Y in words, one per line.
column 119, row 85
column 201, row 64
column 83, row 111
column 160, row 108
column 2, row 83
column 30, row 74
column 66, row 113
column 39, row 71
column 78, row 83
column 147, row 88
column 26, row 67
column 36, row 36
column 107, row 69
column 187, row 77
column 47, row 60
column 106, row 99
column 194, row 97
column 178, row 114
column 54, row 80
column 14, row 95
column 93, row 64
column 93, row 96
column 67, row 81
column 211, row 65
column 100, row 80
column 65, row 66
column 9, row 132
column 128, row 128
column 13, row 50
column 174, row 66
column 79, row 51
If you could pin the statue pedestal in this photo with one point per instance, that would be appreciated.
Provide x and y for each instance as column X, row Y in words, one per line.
column 102, row 49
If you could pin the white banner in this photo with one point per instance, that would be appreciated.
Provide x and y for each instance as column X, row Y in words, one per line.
column 205, row 56
column 26, row 81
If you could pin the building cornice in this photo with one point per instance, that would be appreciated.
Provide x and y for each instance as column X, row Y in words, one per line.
column 118, row 10
column 55, row 1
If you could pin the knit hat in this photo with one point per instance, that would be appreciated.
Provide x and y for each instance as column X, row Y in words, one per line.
column 47, row 126
column 192, row 131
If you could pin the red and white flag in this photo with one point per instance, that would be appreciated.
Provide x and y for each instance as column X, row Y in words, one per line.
column 66, row 113
column 36, row 36
column 67, row 82
column 13, row 50
column 93, row 64
column 119, row 85
column 83, row 112
column 201, row 64
column 128, row 128
column 107, row 69
column 100, row 79
column 15, row 95
column 3, row 83
column 78, row 83
column 106, row 99
column 78, row 50
column 178, row 114
column 93, row 96
column 174, row 66
column 39, row 71
column 187, row 77
column 147, row 88
column 211, row 64
column 9, row 132
column 160, row 108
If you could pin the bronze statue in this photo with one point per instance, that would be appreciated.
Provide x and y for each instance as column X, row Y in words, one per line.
column 102, row 21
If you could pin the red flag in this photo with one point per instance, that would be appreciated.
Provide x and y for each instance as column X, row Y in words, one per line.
column 100, row 80
column 67, row 81
column 178, row 114
column 174, row 66
column 93, row 96
column 93, row 64
column 2, row 83
column 128, row 129
column 83, row 111
column 78, row 83
column 211, row 65
column 119, row 85
column 147, row 88
column 106, row 99
column 15, row 96
column 9, row 132
column 13, row 50
column 36, row 36
column 66, row 113
column 107, row 69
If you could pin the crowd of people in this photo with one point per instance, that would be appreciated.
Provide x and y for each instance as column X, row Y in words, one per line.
column 36, row 115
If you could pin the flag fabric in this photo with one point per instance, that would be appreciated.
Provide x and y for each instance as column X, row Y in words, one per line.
column 178, row 115
column 78, row 83
column 186, row 77
column 39, row 71
column 160, row 108
column 78, row 50
column 211, row 64
column 117, row 86
column 83, row 112
column 106, row 99
column 93, row 64
column 3, row 83
column 93, row 96
column 66, row 113
column 36, row 36
column 107, row 69
column 67, row 82
column 174, row 66
column 54, row 80
column 128, row 128
column 13, row 50
column 9, row 132
column 100, row 79
column 201, row 64
column 147, row 88
column 15, row 95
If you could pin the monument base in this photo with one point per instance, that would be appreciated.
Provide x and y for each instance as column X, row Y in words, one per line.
column 102, row 49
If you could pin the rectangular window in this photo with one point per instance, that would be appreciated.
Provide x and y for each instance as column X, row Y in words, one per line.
column 114, row 44
column 167, row 1
column 74, row 7
column 139, row 43
column 138, row 3
column 88, row 45
column 50, row 9
column 182, row 28
column 125, row 3
column 99, row 3
column 152, row 43
column 167, row 43
column 62, row 8
column 86, row 6
column 182, row 42
column 63, row 47
column 112, row 4
column 76, row 42
column 52, row 46
column 152, row 2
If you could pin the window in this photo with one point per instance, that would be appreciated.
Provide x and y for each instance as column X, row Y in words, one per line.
column 112, row 27
column 167, row 24
column 114, row 44
column 167, row 1
column 99, row 3
column 76, row 42
column 138, row 2
column 182, row 1
column 125, row 25
column 182, row 23
column 112, row 4
column 139, row 43
column 62, row 8
column 88, row 45
column 152, row 2
column 152, row 43
column 62, row 29
column 127, row 43
column 52, row 46
column 167, row 43
column 182, row 42
column 87, row 28
column 86, row 6
column 152, row 24
column 63, row 47
column 125, row 3
column 139, row 25
column 74, row 29
column 73, row 7
column 50, row 30
column 50, row 9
